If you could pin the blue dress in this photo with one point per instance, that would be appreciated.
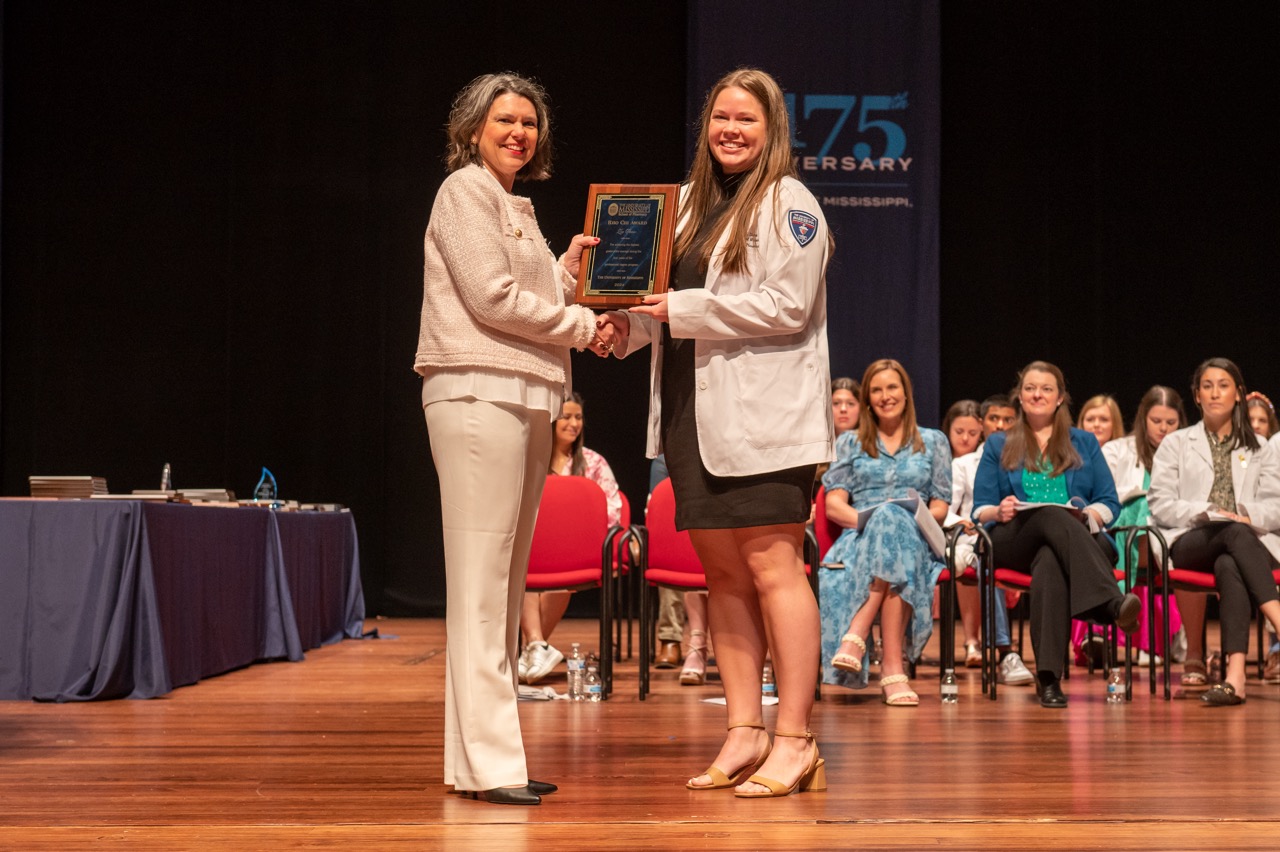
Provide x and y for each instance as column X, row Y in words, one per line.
column 890, row 547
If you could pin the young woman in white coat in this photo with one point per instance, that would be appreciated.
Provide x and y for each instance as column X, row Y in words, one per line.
column 1160, row 414
column 1209, row 483
column 741, row 406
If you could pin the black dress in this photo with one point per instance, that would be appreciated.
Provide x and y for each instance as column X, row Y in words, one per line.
column 705, row 501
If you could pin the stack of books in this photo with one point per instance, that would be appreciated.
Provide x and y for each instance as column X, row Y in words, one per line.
column 67, row 487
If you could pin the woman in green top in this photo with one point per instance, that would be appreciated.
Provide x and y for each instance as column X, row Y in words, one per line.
column 1042, row 459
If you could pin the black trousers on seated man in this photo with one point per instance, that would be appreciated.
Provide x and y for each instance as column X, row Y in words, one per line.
column 1241, row 566
column 1071, row 577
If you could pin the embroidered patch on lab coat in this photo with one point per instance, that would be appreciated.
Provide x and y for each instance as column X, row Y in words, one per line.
column 804, row 226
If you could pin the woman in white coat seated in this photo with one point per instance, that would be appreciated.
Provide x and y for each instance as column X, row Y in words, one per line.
column 1213, row 486
column 1160, row 414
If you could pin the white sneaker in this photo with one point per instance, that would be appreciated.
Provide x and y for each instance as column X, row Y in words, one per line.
column 1145, row 660
column 542, row 659
column 1180, row 645
column 1013, row 672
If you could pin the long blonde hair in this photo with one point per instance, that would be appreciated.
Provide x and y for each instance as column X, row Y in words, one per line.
column 705, row 193
column 1108, row 402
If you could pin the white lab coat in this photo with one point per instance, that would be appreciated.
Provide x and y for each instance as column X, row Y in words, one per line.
column 761, row 371
column 1126, row 468
column 1182, row 476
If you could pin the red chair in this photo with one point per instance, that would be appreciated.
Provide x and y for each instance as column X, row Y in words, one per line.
column 1187, row 580
column 572, row 550
column 624, row 609
column 991, row 578
column 667, row 559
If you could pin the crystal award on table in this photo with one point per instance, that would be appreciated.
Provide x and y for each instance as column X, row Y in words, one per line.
column 265, row 491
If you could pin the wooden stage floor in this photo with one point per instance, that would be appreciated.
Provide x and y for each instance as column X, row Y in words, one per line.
column 344, row 749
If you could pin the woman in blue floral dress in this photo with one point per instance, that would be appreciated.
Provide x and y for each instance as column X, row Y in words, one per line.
column 889, row 568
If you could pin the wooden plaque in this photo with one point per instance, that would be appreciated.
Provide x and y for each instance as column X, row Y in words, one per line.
column 636, row 224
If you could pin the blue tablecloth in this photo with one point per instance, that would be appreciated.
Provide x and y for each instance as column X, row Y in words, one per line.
column 107, row 599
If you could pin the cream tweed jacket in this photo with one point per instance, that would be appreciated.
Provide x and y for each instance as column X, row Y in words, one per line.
column 494, row 296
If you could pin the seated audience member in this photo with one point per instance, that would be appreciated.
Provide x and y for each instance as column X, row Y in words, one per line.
column 1041, row 459
column 1101, row 415
column 962, row 424
column 889, row 568
column 959, row 425
column 1209, row 483
column 844, row 413
column 542, row 612
column 844, row 404
column 1160, row 414
column 1271, row 674
column 1262, row 416
column 997, row 414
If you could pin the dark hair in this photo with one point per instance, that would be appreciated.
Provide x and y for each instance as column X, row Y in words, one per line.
column 1257, row 400
column 579, row 466
column 866, row 417
column 1241, row 432
column 963, row 408
column 997, row 400
column 471, row 109
column 1021, row 448
column 846, row 383
column 1157, row 395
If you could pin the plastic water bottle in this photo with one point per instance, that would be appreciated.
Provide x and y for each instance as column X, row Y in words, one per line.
column 577, row 667
column 592, row 686
column 768, row 688
column 950, row 689
column 1115, row 687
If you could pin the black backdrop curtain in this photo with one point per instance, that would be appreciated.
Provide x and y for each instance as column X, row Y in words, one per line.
column 212, row 221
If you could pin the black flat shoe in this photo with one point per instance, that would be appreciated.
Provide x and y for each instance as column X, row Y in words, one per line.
column 1051, row 695
column 1222, row 695
column 506, row 796
column 1127, row 613
column 542, row 788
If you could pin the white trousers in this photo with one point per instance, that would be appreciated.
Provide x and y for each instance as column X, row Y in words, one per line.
column 492, row 462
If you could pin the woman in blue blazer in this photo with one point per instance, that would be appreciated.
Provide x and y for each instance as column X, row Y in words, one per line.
column 1042, row 459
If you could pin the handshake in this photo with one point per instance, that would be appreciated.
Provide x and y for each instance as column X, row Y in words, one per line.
column 613, row 328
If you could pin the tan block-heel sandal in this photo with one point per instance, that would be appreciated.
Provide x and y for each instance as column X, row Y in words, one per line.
column 720, row 780
column 812, row 780
column 898, row 699
column 848, row 662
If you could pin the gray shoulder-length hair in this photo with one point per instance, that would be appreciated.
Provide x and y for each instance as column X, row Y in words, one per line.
column 471, row 108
